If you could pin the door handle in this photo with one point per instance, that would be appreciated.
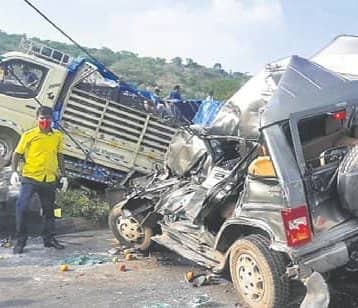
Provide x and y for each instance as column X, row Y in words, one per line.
column 30, row 107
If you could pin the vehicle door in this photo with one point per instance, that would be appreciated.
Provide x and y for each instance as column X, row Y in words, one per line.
column 20, row 82
column 321, row 139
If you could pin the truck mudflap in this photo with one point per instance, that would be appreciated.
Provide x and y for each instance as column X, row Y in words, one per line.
column 317, row 295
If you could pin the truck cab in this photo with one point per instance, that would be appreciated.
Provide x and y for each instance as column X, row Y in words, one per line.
column 24, row 77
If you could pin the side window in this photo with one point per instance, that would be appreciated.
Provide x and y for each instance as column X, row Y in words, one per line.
column 325, row 138
column 21, row 79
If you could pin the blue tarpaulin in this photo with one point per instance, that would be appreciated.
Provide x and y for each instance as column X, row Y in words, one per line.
column 186, row 110
column 207, row 112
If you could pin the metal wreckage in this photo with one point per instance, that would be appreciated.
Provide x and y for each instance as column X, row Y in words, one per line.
column 269, row 188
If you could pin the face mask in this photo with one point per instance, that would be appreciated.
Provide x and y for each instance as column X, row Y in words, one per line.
column 44, row 124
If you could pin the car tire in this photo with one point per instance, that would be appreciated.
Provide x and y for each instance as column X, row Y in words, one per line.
column 258, row 272
column 8, row 142
column 114, row 225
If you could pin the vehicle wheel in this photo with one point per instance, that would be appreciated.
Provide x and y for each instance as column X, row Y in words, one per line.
column 258, row 273
column 8, row 142
column 129, row 230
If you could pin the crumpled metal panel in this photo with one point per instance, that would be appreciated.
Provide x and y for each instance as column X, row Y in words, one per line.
column 341, row 55
column 184, row 152
column 184, row 202
column 240, row 114
column 301, row 82
column 317, row 295
column 282, row 156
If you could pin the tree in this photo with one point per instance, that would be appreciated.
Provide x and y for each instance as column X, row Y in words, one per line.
column 217, row 66
column 177, row 61
column 196, row 80
column 191, row 63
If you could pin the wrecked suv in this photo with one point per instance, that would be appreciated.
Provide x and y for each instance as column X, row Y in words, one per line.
column 272, row 208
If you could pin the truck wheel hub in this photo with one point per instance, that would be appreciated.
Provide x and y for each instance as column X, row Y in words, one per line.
column 130, row 228
column 250, row 279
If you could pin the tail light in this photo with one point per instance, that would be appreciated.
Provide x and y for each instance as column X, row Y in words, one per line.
column 339, row 115
column 297, row 225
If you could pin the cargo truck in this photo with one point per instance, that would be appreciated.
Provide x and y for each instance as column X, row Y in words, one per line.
column 108, row 136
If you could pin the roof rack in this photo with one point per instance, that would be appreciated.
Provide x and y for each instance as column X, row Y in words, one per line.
column 45, row 52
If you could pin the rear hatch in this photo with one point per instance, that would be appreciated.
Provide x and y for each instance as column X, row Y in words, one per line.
column 324, row 138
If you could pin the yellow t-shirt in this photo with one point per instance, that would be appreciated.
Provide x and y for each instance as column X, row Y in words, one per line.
column 40, row 154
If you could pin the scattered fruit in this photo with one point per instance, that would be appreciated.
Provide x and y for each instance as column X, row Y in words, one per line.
column 128, row 251
column 115, row 260
column 64, row 268
column 122, row 267
column 129, row 257
column 189, row 276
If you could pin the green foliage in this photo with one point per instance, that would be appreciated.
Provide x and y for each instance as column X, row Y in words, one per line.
column 195, row 80
column 79, row 204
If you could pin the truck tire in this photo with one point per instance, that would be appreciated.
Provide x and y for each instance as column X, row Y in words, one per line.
column 129, row 231
column 258, row 273
column 8, row 142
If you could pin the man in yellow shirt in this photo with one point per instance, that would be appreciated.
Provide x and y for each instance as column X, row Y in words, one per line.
column 41, row 149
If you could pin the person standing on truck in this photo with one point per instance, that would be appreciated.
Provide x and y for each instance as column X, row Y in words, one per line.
column 175, row 94
column 169, row 102
column 41, row 149
column 155, row 97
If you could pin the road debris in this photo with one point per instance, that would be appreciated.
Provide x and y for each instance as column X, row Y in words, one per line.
column 85, row 260
column 198, row 280
column 115, row 250
column 317, row 295
column 6, row 243
column 202, row 301
column 157, row 305
column 64, row 268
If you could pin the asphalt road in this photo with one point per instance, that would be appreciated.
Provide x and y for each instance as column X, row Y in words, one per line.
column 34, row 279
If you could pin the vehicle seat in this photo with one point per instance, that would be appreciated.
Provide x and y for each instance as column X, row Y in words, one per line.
column 347, row 140
column 334, row 132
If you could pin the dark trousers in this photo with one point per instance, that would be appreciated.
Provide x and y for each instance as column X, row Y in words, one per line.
column 46, row 193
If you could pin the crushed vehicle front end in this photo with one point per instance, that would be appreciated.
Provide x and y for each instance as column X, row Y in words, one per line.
column 274, row 207
column 307, row 208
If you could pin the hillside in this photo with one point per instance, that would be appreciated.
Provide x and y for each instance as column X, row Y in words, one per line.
column 145, row 72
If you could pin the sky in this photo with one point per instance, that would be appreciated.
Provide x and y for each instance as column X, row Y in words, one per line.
column 242, row 35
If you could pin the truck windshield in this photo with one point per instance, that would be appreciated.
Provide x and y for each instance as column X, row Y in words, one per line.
column 21, row 78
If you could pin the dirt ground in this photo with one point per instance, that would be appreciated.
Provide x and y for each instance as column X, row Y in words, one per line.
column 34, row 278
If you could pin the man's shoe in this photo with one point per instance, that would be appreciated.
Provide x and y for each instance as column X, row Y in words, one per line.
column 18, row 248
column 52, row 242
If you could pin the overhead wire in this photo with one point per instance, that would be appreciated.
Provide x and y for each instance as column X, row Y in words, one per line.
column 65, row 34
